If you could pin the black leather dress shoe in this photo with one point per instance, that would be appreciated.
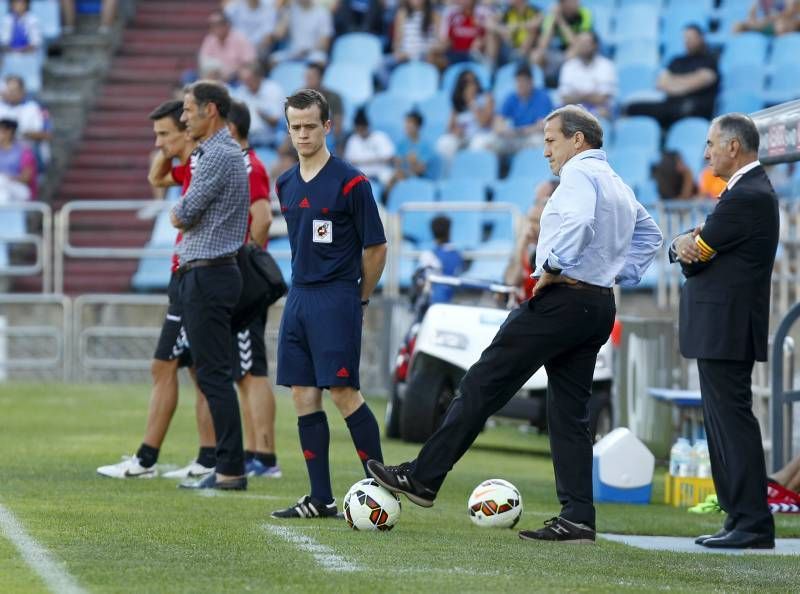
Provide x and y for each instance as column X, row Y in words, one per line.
column 701, row 539
column 739, row 539
column 211, row 482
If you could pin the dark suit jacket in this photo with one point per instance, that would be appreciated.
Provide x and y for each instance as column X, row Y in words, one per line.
column 724, row 310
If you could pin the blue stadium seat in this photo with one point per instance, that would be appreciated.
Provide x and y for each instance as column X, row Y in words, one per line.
column 729, row 13
column 636, row 80
column 529, row 163
column 675, row 19
column 784, row 84
column 688, row 137
column 450, row 75
column 274, row 247
column 412, row 189
column 436, row 114
column 350, row 80
column 636, row 51
column 363, row 49
column 519, row 191
column 491, row 268
column 748, row 78
column 603, row 22
column 416, row 227
column 785, row 50
column 647, row 193
column 637, row 131
column 632, row 165
column 164, row 233
column 480, row 165
column 290, row 76
column 462, row 190
column 152, row 274
column 465, row 229
column 27, row 66
column 266, row 156
column 48, row 13
column 416, row 80
column 504, row 81
column 636, row 21
column 743, row 48
column 386, row 112
column 739, row 101
column 12, row 224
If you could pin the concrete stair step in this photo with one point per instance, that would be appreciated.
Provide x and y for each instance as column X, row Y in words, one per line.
column 133, row 132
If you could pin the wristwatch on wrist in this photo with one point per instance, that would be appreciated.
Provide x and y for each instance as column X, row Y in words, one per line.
column 548, row 269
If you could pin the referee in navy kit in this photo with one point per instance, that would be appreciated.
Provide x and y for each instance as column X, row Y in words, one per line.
column 213, row 219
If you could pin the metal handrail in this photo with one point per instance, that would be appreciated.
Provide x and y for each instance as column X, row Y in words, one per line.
column 64, row 247
column 783, row 398
column 43, row 244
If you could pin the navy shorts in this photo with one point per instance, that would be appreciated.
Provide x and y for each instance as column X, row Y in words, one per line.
column 172, row 342
column 320, row 336
column 250, row 350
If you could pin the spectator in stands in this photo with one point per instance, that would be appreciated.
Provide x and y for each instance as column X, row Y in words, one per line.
column 518, row 29
column 463, row 33
column 17, row 166
column 690, row 81
column 307, row 28
column 442, row 259
column 771, row 17
column 415, row 26
column 521, row 265
column 108, row 11
column 358, row 15
column 369, row 150
column 567, row 18
column 264, row 98
column 589, row 78
column 414, row 154
column 472, row 119
column 710, row 185
column 19, row 29
column 673, row 177
column 523, row 113
column 224, row 47
column 314, row 73
column 26, row 112
column 256, row 20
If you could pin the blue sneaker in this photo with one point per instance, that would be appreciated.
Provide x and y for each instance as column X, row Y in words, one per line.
column 256, row 468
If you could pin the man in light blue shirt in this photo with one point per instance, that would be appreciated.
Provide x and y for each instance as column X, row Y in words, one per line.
column 593, row 233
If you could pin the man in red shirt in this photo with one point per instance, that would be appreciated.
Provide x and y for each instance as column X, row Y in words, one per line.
column 172, row 351
column 249, row 348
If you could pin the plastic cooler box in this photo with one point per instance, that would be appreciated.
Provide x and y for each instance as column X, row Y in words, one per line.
column 623, row 469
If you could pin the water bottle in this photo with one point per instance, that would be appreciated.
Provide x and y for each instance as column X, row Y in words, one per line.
column 680, row 458
column 703, row 460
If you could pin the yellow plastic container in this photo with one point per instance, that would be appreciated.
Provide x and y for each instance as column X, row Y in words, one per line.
column 684, row 491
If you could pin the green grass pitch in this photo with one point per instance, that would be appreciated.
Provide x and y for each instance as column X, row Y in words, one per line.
column 147, row 536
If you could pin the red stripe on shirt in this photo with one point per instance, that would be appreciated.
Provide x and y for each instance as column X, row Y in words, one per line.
column 353, row 183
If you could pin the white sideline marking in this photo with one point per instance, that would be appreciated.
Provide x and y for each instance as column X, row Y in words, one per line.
column 37, row 557
column 325, row 556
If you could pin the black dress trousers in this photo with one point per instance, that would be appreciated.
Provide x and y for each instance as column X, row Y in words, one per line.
column 563, row 329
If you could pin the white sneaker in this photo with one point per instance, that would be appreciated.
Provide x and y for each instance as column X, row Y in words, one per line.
column 193, row 470
column 130, row 467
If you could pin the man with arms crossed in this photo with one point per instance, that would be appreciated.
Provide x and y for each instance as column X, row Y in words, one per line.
column 338, row 253
column 724, row 324
column 593, row 234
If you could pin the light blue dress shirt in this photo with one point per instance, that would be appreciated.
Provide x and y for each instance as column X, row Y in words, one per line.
column 593, row 229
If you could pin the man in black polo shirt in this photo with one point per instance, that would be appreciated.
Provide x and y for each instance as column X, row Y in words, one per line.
column 213, row 219
column 690, row 81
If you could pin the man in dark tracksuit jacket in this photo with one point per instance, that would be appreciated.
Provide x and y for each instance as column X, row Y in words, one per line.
column 724, row 323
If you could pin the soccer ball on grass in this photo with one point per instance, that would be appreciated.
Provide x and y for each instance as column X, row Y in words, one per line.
column 495, row 503
column 368, row 506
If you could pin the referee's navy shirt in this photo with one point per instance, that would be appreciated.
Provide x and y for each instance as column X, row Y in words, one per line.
column 330, row 219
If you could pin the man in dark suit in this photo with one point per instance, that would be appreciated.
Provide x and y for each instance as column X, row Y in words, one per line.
column 724, row 319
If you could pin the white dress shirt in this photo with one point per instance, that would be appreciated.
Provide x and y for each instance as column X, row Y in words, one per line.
column 593, row 229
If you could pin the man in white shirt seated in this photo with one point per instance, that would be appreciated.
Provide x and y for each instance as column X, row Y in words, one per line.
column 27, row 113
column 308, row 29
column 589, row 78
column 371, row 151
column 264, row 98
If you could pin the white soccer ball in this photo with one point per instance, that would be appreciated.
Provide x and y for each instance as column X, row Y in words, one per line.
column 368, row 506
column 495, row 503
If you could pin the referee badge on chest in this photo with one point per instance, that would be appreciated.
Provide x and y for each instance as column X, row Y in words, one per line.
column 322, row 231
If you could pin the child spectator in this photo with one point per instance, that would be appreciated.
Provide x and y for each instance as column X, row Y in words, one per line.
column 19, row 30
column 673, row 177
column 371, row 151
column 442, row 259
column 414, row 155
